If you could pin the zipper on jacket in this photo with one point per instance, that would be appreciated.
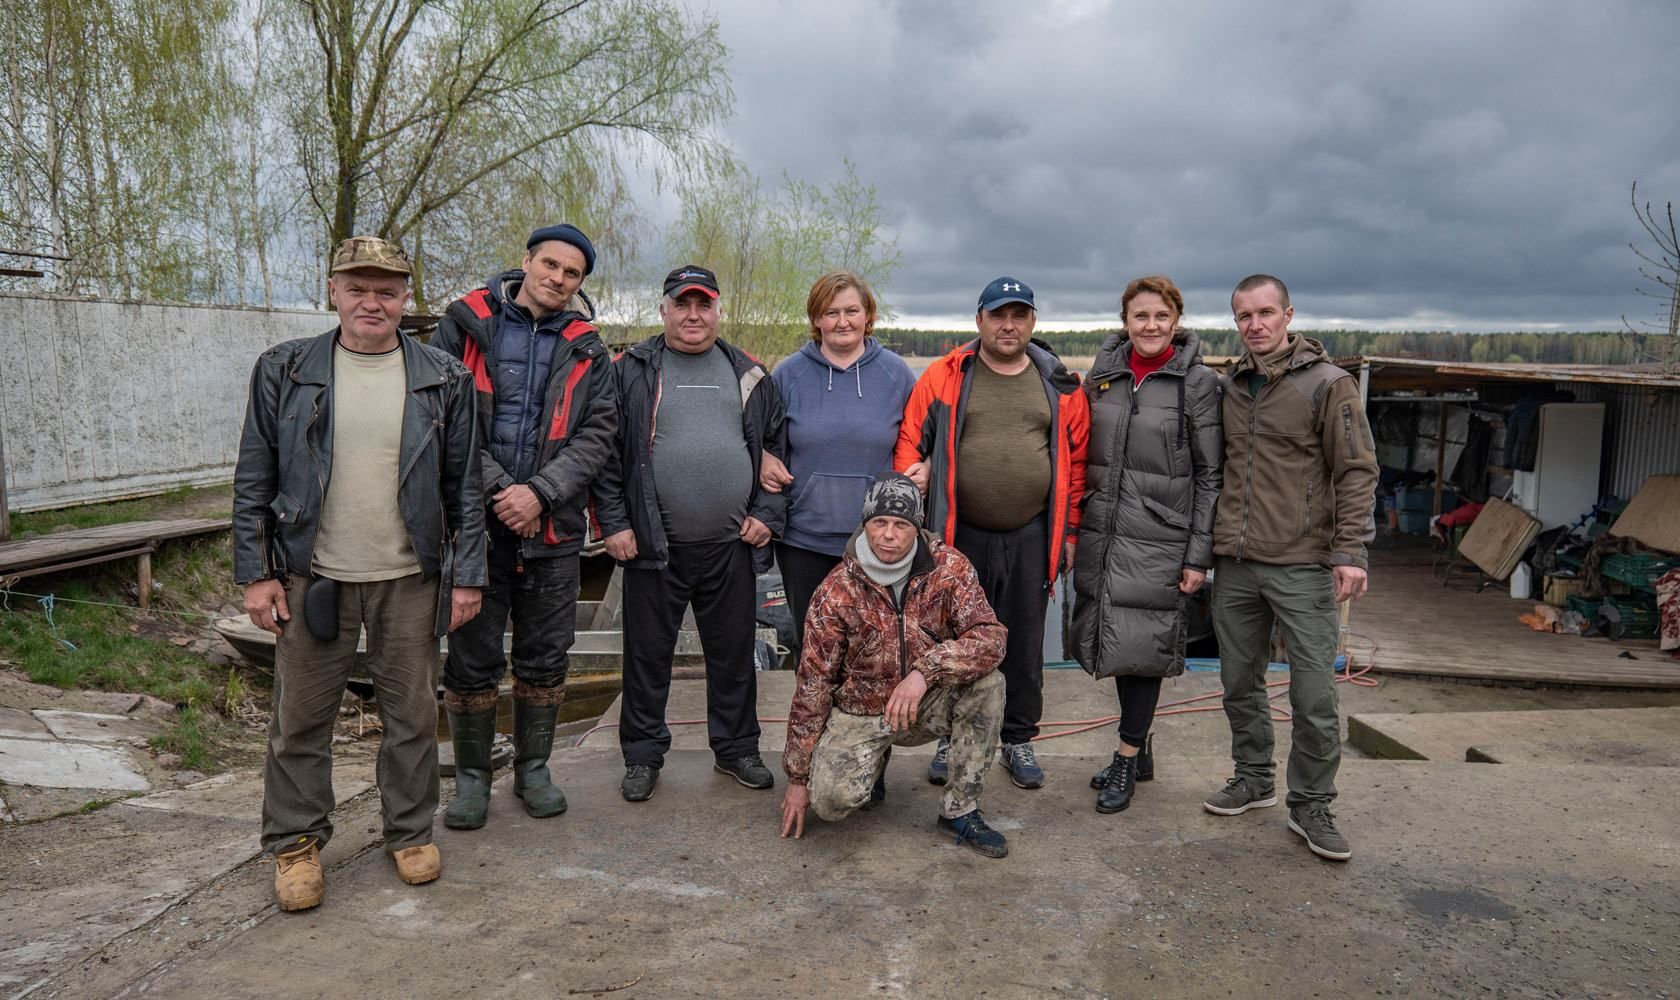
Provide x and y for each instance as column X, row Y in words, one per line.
column 320, row 477
column 1248, row 476
column 1347, row 430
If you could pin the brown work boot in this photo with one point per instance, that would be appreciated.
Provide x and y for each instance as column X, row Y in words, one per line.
column 297, row 878
column 417, row 865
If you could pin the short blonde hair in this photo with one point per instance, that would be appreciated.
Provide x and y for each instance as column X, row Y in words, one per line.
column 832, row 284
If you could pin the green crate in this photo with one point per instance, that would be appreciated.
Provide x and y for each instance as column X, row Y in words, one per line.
column 1639, row 612
column 1637, row 569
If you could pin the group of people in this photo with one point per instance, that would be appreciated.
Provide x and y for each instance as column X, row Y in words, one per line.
column 919, row 525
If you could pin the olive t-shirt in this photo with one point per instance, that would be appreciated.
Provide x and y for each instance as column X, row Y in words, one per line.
column 1003, row 457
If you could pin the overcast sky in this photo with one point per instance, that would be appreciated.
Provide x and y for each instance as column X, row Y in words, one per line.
column 1459, row 164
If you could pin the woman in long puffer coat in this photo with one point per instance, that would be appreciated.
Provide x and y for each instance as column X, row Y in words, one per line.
column 1152, row 476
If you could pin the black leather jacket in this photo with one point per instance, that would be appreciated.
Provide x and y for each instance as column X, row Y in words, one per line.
column 285, row 464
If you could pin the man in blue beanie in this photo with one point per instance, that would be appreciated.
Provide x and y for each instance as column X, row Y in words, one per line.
column 547, row 417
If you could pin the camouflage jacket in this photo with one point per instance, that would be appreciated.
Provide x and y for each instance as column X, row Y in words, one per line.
column 859, row 642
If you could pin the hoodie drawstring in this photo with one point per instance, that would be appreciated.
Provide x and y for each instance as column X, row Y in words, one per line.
column 857, row 369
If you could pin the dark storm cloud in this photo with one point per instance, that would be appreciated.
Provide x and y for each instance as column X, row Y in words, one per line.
column 1425, row 163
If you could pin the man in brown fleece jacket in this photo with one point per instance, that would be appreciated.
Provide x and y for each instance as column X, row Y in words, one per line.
column 901, row 648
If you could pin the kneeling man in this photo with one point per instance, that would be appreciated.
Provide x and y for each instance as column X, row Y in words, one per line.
column 900, row 648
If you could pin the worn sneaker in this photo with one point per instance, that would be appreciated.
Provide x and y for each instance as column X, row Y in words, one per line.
column 749, row 770
column 939, row 769
column 298, row 884
column 418, row 865
column 1238, row 797
column 971, row 831
column 1315, row 823
column 1145, row 764
column 638, row 783
column 1022, row 761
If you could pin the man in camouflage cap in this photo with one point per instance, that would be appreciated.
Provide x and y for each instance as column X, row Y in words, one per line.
column 934, row 677
column 356, row 503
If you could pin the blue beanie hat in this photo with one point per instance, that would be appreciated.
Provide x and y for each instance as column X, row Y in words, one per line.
column 566, row 233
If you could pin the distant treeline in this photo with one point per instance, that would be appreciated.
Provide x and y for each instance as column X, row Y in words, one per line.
column 1549, row 348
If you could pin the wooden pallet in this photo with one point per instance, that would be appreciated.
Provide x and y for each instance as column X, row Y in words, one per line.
column 91, row 546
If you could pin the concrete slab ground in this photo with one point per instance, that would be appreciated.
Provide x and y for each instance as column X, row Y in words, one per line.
column 1464, row 883
column 69, row 765
column 1627, row 737
column 96, row 727
column 19, row 724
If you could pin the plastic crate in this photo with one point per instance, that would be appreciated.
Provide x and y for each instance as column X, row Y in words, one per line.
column 1638, row 611
column 1636, row 569
column 1415, row 522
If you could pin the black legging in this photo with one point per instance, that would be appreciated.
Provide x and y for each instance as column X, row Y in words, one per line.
column 1138, row 697
column 802, row 572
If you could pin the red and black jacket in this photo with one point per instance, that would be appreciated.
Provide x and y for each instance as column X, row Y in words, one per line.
column 580, row 407
column 933, row 422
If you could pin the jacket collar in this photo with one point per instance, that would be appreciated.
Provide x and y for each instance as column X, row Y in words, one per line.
column 1303, row 352
column 314, row 363
column 1043, row 357
column 1114, row 358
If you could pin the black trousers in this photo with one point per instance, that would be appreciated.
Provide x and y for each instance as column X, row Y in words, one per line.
column 542, row 602
column 802, row 573
column 1013, row 568
column 718, row 580
column 1138, row 698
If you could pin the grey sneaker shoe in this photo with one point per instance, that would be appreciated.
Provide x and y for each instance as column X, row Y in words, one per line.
column 1315, row 823
column 1022, row 761
column 1238, row 797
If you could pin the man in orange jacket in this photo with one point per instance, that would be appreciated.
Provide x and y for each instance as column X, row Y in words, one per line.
column 995, row 434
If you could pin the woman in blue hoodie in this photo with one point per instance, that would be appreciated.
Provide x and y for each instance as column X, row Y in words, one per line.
column 844, row 395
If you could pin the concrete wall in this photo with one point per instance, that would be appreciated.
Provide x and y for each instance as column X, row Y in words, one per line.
column 108, row 399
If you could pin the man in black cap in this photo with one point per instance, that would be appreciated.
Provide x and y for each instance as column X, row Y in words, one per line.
column 548, row 412
column 933, row 677
column 680, row 507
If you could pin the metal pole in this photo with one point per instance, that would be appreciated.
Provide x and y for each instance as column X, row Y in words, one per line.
column 5, row 510
column 1440, row 451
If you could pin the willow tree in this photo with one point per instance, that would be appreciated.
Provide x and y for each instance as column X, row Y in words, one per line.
column 406, row 109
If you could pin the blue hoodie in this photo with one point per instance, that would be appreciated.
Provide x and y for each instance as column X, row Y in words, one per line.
column 842, row 424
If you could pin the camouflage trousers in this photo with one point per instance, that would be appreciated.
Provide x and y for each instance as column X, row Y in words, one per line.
column 849, row 756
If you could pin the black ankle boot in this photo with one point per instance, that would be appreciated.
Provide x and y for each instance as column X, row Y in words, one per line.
column 1116, row 792
column 473, row 734
column 1146, row 759
column 533, row 739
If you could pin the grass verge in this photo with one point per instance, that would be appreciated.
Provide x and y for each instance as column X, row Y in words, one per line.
column 211, row 501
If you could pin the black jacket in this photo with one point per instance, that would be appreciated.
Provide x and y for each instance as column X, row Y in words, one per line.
column 625, row 496
column 580, row 418
column 285, row 465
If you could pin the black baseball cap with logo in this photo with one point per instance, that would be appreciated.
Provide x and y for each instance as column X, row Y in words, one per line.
column 1005, row 290
column 690, row 278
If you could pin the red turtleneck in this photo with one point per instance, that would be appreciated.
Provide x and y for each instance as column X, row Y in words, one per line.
column 1142, row 366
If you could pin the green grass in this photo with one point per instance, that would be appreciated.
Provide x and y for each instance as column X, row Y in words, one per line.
column 184, row 501
column 192, row 736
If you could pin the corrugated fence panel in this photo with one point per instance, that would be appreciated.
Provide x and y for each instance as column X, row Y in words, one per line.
column 111, row 399
column 1643, row 433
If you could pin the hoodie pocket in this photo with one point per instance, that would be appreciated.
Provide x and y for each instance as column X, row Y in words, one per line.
column 829, row 504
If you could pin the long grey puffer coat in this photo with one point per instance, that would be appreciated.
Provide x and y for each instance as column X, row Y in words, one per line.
column 1152, row 478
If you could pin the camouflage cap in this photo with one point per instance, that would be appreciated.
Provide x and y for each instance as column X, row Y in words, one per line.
column 370, row 253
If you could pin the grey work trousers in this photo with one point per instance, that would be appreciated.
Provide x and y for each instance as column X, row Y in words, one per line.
column 1248, row 597
column 309, row 679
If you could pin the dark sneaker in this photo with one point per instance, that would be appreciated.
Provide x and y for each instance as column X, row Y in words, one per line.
column 1145, row 764
column 749, row 770
column 1117, row 791
column 1022, row 762
column 878, row 794
column 971, row 831
column 1238, row 797
column 1315, row 823
column 939, row 769
column 638, row 783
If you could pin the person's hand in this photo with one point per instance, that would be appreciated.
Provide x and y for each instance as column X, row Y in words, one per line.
column 795, row 801
column 621, row 546
column 906, row 699
column 1350, row 583
column 772, row 474
column 918, row 473
column 1069, row 548
column 519, row 509
column 265, row 603
column 464, row 603
column 754, row 532
column 1190, row 580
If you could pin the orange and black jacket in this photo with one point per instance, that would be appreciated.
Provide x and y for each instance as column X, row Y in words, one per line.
column 933, row 424
column 580, row 407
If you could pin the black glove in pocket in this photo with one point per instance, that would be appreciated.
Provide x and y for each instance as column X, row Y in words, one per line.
column 320, row 608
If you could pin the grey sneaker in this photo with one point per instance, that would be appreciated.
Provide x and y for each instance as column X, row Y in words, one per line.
column 1238, row 797
column 1022, row 761
column 1315, row 823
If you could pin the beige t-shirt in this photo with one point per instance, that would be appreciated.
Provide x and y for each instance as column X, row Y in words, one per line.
column 1003, row 458
column 362, row 537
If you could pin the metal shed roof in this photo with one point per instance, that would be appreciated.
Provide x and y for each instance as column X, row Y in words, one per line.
column 1392, row 373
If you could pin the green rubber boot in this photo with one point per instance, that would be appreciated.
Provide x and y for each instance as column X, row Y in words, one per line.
column 473, row 733
column 533, row 737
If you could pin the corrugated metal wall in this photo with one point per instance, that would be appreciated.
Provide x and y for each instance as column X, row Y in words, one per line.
column 1643, row 433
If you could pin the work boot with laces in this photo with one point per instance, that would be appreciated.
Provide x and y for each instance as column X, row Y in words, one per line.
column 1145, row 764
column 1315, row 823
column 298, row 884
column 418, row 865
column 1022, row 761
column 1117, row 790
column 939, row 769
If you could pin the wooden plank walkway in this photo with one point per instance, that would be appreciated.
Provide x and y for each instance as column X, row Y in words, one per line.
column 1423, row 628
column 90, row 546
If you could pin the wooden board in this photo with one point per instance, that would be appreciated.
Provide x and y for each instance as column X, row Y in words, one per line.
column 1649, row 516
column 1497, row 538
column 89, row 543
